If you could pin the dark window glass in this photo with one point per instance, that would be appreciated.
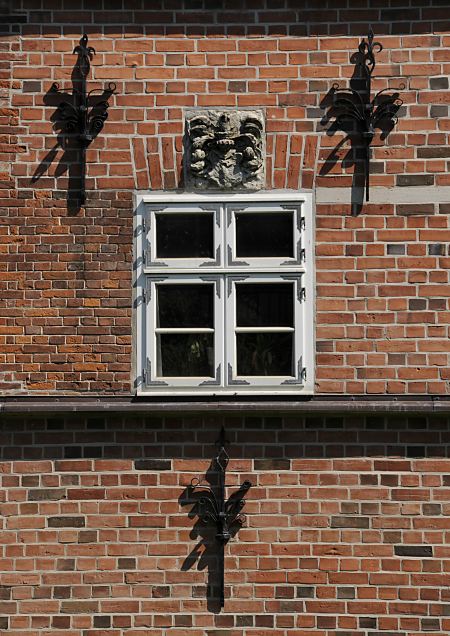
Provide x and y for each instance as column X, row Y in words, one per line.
column 186, row 355
column 264, row 234
column 264, row 305
column 185, row 306
column 185, row 235
column 264, row 354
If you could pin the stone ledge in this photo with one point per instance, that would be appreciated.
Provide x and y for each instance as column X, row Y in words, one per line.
column 331, row 405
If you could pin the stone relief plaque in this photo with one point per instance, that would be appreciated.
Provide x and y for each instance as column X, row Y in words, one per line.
column 224, row 150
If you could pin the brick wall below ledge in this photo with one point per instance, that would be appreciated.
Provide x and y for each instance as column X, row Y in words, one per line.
column 346, row 528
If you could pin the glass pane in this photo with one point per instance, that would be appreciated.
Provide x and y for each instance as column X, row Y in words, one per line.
column 264, row 305
column 264, row 234
column 264, row 354
column 185, row 235
column 186, row 305
column 186, row 355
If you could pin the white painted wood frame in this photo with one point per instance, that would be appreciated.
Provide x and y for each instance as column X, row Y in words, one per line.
column 223, row 272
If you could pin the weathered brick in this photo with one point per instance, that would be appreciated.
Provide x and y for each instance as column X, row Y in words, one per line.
column 438, row 111
column 126, row 563
column 79, row 607
column 349, row 522
column 433, row 152
column 423, row 551
column 153, row 464
column 430, row 624
column 47, row 494
column 437, row 249
column 346, row 592
column 272, row 464
column 66, row 522
column 421, row 209
column 102, row 622
column 407, row 180
column 438, row 83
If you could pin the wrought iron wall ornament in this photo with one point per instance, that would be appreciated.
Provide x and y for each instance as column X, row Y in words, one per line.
column 354, row 105
column 224, row 150
column 83, row 118
column 213, row 508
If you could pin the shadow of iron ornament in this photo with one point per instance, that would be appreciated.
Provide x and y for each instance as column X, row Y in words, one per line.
column 82, row 114
column 357, row 113
column 214, row 509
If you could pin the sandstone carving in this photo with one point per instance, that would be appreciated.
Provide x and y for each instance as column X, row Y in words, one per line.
column 224, row 150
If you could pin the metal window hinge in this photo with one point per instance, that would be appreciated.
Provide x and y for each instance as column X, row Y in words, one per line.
column 303, row 254
column 144, row 225
column 144, row 295
column 144, row 257
column 303, row 222
column 303, row 373
column 144, row 376
column 303, row 293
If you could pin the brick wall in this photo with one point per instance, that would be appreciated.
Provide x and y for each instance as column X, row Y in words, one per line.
column 348, row 517
column 346, row 531
column 382, row 281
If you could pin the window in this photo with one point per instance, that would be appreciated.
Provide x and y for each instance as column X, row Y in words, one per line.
column 224, row 294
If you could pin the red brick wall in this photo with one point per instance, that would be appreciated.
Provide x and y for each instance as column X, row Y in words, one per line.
column 346, row 531
column 382, row 281
column 348, row 518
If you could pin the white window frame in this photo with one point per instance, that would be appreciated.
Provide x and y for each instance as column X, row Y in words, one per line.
column 224, row 271
column 235, row 380
column 152, row 377
column 264, row 207
column 182, row 208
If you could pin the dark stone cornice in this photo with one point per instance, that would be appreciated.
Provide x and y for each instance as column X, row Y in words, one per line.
column 324, row 404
